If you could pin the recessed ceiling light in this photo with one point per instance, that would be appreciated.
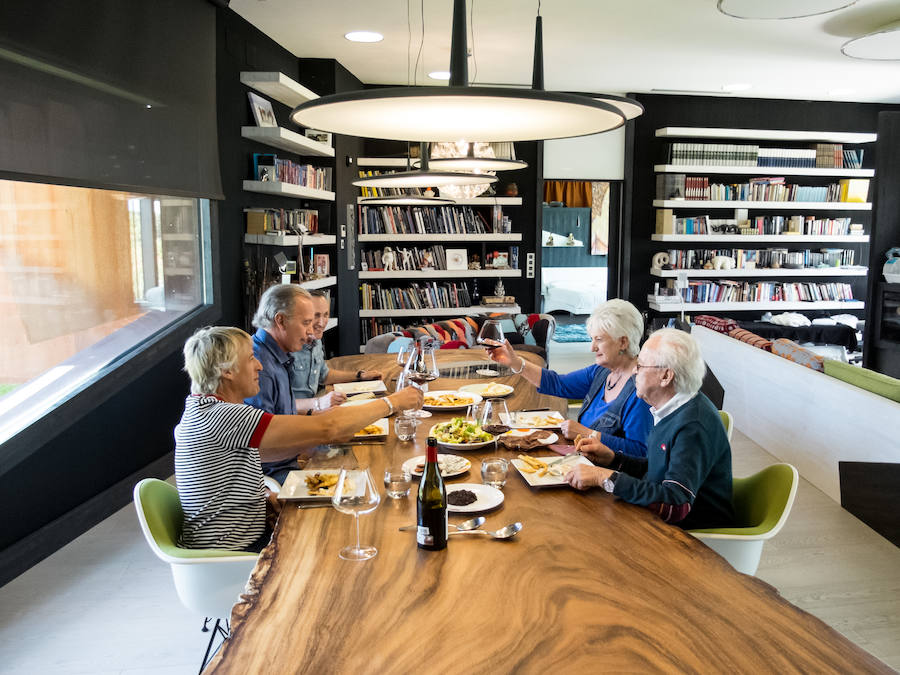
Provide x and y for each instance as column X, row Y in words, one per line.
column 880, row 45
column 364, row 36
column 439, row 75
column 780, row 9
column 737, row 86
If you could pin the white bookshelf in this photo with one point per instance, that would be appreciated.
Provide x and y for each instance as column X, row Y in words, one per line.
column 439, row 311
column 513, row 236
column 392, row 162
column 763, row 238
column 471, row 201
column 440, row 274
column 704, row 307
column 760, row 170
column 287, row 190
column 795, row 206
column 290, row 239
column 279, row 87
column 313, row 284
column 767, row 135
column 766, row 272
column 285, row 139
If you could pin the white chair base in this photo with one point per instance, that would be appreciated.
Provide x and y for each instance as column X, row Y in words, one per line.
column 741, row 552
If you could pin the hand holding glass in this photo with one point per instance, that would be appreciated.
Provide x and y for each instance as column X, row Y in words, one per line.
column 491, row 334
column 356, row 493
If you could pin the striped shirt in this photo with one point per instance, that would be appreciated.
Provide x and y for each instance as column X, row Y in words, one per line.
column 218, row 473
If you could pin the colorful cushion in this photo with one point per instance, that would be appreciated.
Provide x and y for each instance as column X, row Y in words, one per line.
column 716, row 323
column 454, row 344
column 797, row 354
column 751, row 339
column 877, row 383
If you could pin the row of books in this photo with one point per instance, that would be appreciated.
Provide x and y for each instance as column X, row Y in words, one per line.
column 291, row 221
column 764, row 291
column 668, row 223
column 268, row 168
column 421, row 220
column 822, row 156
column 763, row 189
column 369, row 328
column 428, row 295
column 762, row 258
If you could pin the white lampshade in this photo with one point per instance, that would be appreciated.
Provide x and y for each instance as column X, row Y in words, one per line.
column 407, row 200
column 881, row 45
column 780, row 9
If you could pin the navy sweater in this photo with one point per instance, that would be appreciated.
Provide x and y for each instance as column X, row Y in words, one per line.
column 686, row 477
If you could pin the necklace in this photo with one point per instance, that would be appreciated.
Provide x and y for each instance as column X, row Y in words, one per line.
column 610, row 385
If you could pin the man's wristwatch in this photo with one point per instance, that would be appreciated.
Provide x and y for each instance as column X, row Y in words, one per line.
column 609, row 484
column 359, row 374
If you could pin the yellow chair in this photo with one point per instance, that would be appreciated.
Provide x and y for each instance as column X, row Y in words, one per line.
column 762, row 504
column 728, row 422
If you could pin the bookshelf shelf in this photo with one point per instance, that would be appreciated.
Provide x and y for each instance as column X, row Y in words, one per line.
column 440, row 274
column 766, row 135
column 763, row 238
column 278, row 86
column 285, row 139
column 440, row 311
column 676, row 307
column 473, row 201
column 806, row 206
column 290, row 239
column 324, row 282
column 287, row 190
column 761, row 170
column 395, row 162
column 759, row 273
column 514, row 236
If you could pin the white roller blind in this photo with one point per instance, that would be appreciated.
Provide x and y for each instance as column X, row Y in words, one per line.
column 597, row 157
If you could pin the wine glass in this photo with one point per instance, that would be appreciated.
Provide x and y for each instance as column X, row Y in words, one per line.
column 403, row 381
column 405, row 351
column 356, row 493
column 491, row 334
column 495, row 416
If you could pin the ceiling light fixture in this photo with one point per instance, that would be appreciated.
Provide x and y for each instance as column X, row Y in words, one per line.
column 406, row 200
column 424, row 177
column 464, row 159
column 458, row 111
column 364, row 36
column 880, row 45
column 780, row 9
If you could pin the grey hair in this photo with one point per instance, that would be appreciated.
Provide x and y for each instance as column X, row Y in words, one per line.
column 278, row 299
column 619, row 318
column 210, row 352
column 677, row 350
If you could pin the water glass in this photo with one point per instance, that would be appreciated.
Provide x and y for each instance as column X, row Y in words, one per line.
column 405, row 427
column 493, row 471
column 397, row 481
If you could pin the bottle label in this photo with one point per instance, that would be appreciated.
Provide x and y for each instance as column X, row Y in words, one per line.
column 424, row 536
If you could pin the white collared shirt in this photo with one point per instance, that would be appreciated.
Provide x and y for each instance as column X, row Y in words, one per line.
column 670, row 406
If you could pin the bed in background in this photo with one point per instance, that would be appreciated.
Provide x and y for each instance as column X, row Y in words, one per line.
column 574, row 289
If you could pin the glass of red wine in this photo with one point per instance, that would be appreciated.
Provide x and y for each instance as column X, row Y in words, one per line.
column 420, row 369
column 493, row 416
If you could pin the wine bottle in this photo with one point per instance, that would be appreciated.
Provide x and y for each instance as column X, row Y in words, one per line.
column 431, row 506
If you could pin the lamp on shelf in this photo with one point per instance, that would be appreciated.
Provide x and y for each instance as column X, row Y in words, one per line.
column 424, row 177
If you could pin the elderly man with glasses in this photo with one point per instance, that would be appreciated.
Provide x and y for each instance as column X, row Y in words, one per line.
column 686, row 476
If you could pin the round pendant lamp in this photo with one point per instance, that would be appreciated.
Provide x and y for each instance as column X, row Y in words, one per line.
column 881, row 45
column 424, row 177
column 780, row 9
column 470, row 162
column 406, row 200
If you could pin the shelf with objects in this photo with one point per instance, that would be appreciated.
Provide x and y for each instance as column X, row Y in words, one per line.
column 285, row 243
column 182, row 277
column 723, row 271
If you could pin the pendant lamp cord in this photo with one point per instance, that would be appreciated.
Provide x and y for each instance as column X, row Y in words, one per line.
column 421, row 46
column 472, row 34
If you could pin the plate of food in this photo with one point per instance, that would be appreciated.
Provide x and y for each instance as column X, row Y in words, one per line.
column 376, row 430
column 359, row 387
column 315, row 485
column 472, row 497
column 461, row 435
column 537, row 471
column 527, row 439
column 449, row 400
column 538, row 419
column 488, row 389
column 450, row 465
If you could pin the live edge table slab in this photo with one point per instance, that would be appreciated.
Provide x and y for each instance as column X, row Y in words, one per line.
column 591, row 584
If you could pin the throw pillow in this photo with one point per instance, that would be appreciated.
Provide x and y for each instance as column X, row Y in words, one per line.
column 797, row 354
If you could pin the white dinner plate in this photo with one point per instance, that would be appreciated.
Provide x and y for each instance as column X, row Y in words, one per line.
column 359, row 387
column 550, row 479
column 488, row 497
column 451, row 465
column 462, row 446
column 295, row 486
column 471, row 399
column 543, row 419
column 489, row 389
column 514, row 433
column 382, row 425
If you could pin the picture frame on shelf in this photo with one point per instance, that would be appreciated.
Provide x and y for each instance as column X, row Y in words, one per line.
column 323, row 137
column 322, row 264
column 457, row 259
column 262, row 111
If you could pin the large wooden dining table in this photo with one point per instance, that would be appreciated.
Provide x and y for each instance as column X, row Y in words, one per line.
column 591, row 584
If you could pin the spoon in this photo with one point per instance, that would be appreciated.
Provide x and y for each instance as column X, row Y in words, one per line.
column 507, row 532
column 471, row 524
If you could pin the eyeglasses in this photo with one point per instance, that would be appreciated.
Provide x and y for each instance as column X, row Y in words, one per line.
column 638, row 366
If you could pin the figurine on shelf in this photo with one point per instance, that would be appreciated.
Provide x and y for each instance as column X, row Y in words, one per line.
column 429, row 192
column 549, row 241
column 388, row 259
column 476, row 262
column 427, row 260
column 406, row 259
column 570, row 240
column 499, row 290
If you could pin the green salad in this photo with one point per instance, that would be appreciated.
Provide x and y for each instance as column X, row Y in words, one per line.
column 458, row 430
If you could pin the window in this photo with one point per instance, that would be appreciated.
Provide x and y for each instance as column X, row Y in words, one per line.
column 87, row 275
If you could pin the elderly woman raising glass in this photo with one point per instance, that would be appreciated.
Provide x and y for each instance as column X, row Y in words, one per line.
column 611, row 413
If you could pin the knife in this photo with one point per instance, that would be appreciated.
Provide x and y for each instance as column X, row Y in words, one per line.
column 563, row 459
column 535, row 410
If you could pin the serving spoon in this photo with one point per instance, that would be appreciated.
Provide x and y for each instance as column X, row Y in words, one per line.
column 507, row 532
column 464, row 526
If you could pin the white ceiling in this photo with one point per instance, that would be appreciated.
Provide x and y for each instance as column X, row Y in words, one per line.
column 596, row 45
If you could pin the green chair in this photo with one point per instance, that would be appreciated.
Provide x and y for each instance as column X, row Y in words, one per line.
column 762, row 504
column 728, row 422
column 208, row 581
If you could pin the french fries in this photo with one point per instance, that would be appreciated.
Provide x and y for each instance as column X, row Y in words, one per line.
column 371, row 430
column 534, row 465
column 323, row 484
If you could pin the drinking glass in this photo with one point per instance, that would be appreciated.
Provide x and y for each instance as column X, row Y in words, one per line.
column 405, row 351
column 405, row 427
column 397, row 481
column 495, row 416
column 356, row 493
column 493, row 471
column 403, row 381
column 491, row 334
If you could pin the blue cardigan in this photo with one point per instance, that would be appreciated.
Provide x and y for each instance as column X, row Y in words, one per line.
column 624, row 422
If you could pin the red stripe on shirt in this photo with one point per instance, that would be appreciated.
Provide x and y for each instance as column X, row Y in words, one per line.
column 261, row 427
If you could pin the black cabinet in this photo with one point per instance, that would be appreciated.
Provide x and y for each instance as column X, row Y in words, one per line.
column 884, row 348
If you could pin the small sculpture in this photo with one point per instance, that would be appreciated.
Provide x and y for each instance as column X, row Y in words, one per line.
column 723, row 262
column 427, row 260
column 570, row 240
column 388, row 259
column 549, row 241
column 406, row 259
column 476, row 263
column 499, row 290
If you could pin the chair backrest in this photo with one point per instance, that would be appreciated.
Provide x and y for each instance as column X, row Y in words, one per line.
column 728, row 422
column 763, row 501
